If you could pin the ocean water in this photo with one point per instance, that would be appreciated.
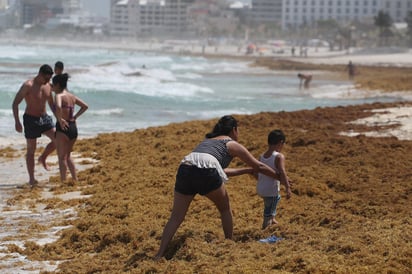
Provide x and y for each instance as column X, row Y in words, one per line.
column 172, row 88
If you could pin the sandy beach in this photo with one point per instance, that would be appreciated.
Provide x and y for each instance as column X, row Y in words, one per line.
column 350, row 210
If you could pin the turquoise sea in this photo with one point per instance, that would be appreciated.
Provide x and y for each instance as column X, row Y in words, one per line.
column 172, row 88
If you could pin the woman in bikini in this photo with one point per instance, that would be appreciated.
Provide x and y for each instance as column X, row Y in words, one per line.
column 66, row 129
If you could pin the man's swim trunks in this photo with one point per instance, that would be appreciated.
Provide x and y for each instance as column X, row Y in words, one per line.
column 35, row 126
column 71, row 132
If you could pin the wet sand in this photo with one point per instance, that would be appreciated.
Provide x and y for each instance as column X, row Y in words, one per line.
column 349, row 212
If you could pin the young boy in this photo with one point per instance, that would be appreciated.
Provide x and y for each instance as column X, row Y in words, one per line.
column 267, row 187
column 58, row 68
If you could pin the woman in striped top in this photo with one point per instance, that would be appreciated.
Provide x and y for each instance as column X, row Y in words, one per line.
column 204, row 172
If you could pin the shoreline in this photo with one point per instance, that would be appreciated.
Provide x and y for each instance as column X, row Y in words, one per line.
column 397, row 57
column 375, row 68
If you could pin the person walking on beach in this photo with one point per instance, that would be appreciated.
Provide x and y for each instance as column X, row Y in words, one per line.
column 305, row 80
column 66, row 128
column 267, row 187
column 58, row 68
column 204, row 172
column 36, row 92
column 351, row 70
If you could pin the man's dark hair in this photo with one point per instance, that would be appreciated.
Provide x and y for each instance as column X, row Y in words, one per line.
column 46, row 69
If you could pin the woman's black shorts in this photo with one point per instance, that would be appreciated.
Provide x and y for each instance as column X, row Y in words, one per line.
column 71, row 131
column 191, row 180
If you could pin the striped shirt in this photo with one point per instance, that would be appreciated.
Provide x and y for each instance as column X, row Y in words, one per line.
column 217, row 148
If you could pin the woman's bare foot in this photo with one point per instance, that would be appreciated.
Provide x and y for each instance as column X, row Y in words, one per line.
column 33, row 183
column 274, row 222
column 42, row 161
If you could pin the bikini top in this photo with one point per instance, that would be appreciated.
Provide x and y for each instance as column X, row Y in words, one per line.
column 71, row 110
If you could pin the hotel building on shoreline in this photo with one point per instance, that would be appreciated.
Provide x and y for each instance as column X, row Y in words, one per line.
column 183, row 18
column 296, row 13
column 144, row 17
column 134, row 18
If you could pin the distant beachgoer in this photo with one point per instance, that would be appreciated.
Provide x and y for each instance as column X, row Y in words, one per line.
column 58, row 67
column 36, row 92
column 66, row 128
column 351, row 70
column 250, row 49
column 267, row 187
column 293, row 51
column 204, row 172
column 305, row 52
column 305, row 80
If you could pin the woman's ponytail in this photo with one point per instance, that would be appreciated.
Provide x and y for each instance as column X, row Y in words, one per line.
column 223, row 127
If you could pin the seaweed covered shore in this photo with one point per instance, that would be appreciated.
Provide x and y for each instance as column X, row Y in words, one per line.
column 350, row 209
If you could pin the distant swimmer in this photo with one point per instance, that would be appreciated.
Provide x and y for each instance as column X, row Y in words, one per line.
column 305, row 80
column 137, row 73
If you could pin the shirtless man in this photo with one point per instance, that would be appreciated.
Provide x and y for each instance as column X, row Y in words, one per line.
column 36, row 92
column 305, row 79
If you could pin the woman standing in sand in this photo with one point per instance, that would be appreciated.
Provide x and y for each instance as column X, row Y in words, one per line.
column 204, row 172
column 66, row 128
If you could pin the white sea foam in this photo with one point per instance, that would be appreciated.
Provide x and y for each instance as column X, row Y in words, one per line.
column 215, row 114
column 341, row 92
column 107, row 112
column 160, row 74
column 338, row 92
column 16, row 52
column 6, row 112
column 189, row 75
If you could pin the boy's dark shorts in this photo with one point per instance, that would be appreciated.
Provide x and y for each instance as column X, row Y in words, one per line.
column 191, row 180
column 35, row 126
